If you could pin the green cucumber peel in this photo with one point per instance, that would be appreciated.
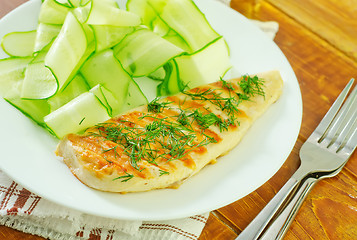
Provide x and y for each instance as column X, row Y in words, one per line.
column 104, row 12
column 53, row 12
column 82, row 48
column 19, row 44
column 142, row 52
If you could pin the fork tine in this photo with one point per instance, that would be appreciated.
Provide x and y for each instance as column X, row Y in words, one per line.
column 344, row 120
column 330, row 115
column 351, row 143
column 346, row 137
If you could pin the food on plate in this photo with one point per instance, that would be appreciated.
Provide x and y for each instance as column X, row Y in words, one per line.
column 80, row 76
column 161, row 144
column 87, row 60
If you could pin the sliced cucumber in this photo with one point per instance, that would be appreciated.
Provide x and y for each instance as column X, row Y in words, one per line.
column 80, row 113
column 205, row 66
column 106, row 97
column 39, row 82
column 64, row 2
column 19, row 44
column 147, row 10
column 11, row 79
column 45, row 34
column 75, row 3
column 82, row 12
column 103, row 68
column 161, row 28
column 142, row 52
column 85, row 2
column 158, row 74
column 41, row 55
column 177, row 40
column 134, row 98
column 109, row 36
column 53, row 12
column 104, row 12
column 69, row 50
column 33, row 109
column 172, row 83
column 75, row 88
column 11, row 75
column 150, row 11
column 180, row 16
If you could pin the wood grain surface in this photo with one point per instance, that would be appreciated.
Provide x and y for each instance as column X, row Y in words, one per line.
column 319, row 38
column 323, row 66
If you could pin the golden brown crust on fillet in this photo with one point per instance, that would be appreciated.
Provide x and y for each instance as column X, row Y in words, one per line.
column 166, row 142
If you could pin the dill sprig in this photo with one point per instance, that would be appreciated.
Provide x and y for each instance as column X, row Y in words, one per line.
column 125, row 177
column 156, row 106
column 182, row 118
column 114, row 149
column 226, row 104
column 210, row 119
column 252, row 86
column 159, row 139
column 205, row 120
column 162, row 172
column 231, row 106
column 174, row 137
column 227, row 85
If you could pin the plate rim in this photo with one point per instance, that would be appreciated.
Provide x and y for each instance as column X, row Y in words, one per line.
column 201, row 211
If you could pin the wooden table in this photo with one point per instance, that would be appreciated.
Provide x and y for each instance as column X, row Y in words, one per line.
column 319, row 38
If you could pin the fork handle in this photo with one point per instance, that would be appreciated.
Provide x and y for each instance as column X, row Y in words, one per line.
column 261, row 221
column 282, row 222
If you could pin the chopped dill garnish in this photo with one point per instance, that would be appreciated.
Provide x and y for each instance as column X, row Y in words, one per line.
column 81, row 121
column 107, row 160
column 156, row 139
column 125, row 177
column 243, row 96
column 162, row 172
column 205, row 120
column 226, row 123
column 210, row 119
column 252, row 86
column 182, row 118
column 226, row 104
column 227, row 85
column 206, row 95
column 159, row 139
column 110, row 131
column 231, row 106
column 157, row 107
column 114, row 149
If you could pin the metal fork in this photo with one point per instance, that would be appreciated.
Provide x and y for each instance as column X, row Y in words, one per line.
column 323, row 155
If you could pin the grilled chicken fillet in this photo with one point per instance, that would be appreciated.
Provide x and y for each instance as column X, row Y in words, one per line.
column 165, row 142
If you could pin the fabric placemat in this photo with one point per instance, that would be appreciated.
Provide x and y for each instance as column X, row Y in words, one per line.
column 22, row 210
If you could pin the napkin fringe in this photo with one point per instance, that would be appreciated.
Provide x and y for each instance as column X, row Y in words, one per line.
column 167, row 233
column 31, row 228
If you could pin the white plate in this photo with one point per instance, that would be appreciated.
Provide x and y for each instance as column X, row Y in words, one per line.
column 27, row 151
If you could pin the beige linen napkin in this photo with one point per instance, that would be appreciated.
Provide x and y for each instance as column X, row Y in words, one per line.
column 27, row 212
column 22, row 210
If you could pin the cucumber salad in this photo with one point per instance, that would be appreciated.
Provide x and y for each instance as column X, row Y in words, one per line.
column 85, row 61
